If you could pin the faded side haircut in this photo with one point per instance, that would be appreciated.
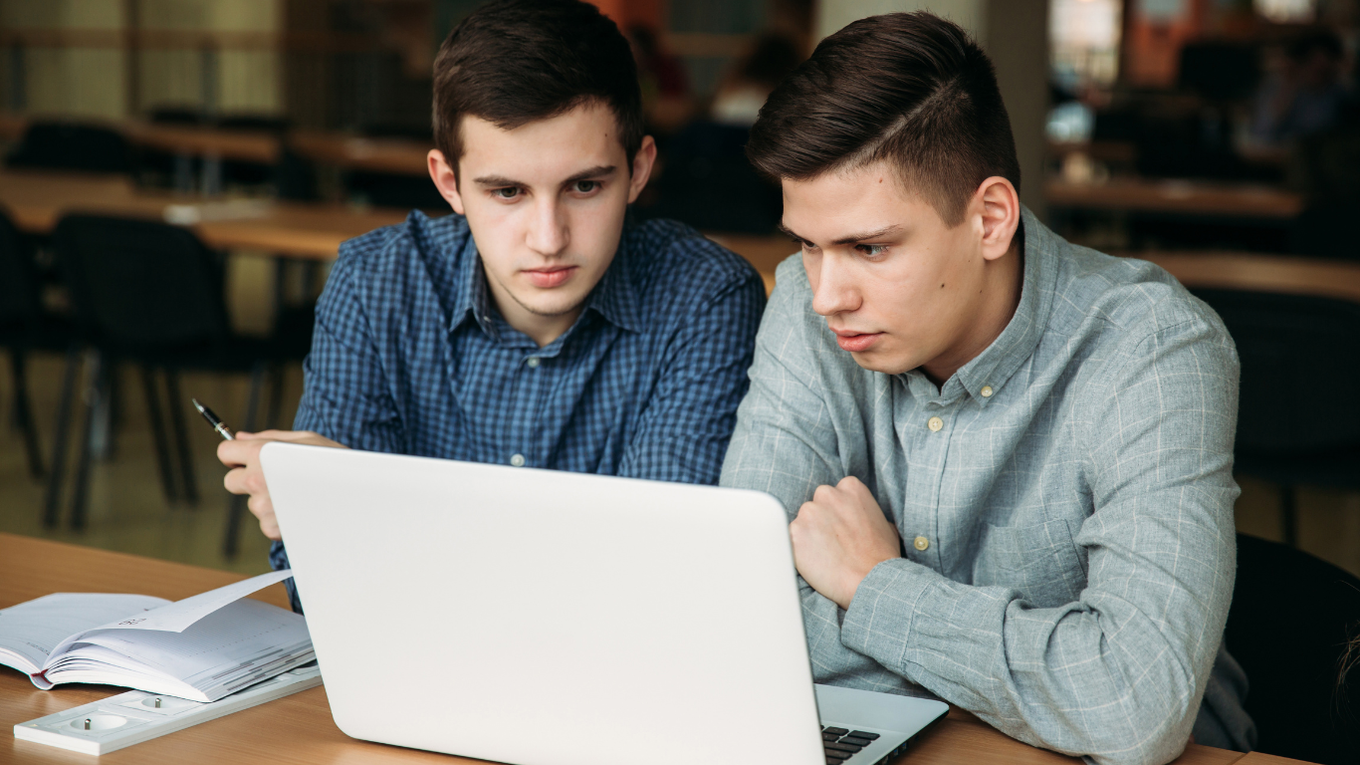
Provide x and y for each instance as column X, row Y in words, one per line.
column 511, row 62
column 910, row 89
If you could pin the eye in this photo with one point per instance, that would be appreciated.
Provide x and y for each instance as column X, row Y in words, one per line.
column 585, row 187
column 509, row 192
column 871, row 250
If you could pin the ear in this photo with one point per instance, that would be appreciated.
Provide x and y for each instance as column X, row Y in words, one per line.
column 445, row 179
column 642, row 168
column 999, row 209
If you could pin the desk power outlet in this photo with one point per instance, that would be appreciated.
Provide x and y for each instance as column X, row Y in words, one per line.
column 136, row 716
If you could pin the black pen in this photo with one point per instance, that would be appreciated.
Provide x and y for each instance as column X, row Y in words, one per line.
column 213, row 420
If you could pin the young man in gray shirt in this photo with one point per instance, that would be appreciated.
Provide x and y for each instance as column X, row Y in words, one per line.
column 1010, row 457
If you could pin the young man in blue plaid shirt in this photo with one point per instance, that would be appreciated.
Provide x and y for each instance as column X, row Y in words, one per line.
column 533, row 327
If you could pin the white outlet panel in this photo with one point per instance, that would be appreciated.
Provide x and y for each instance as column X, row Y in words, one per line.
column 136, row 716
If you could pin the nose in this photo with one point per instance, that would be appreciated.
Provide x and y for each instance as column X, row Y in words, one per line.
column 833, row 289
column 548, row 232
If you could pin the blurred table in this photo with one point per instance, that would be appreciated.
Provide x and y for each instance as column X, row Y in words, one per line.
column 37, row 200
column 384, row 155
column 1262, row 273
column 299, row 728
column 260, row 147
column 1178, row 197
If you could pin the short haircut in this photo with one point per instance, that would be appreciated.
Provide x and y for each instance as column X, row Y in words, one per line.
column 511, row 62
column 910, row 89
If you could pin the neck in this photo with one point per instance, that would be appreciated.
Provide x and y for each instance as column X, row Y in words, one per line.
column 1002, row 285
column 541, row 328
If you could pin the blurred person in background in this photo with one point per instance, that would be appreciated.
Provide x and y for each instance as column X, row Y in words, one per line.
column 667, row 101
column 1307, row 94
column 750, row 82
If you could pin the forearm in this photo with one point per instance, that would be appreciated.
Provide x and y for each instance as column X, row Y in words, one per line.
column 1116, row 674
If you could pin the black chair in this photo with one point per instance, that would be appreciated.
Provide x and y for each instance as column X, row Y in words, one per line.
column 148, row 293
column 1291, row 619
column 237, row 172
column 24, row 327
column 400, row 190
column 1288, row 431
column 72, row 146
column 1323, row 230
column 708, row 183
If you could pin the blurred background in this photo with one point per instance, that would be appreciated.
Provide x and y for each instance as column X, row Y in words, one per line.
column 1219, row 138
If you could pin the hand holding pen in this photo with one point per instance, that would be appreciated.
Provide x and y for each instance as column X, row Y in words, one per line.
column 241, row 453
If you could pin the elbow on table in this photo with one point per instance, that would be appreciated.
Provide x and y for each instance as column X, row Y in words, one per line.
column 1136, row 746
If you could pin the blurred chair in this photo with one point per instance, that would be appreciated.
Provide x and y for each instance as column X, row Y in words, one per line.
column 163, row 169
column 24, row 327
column 148, row 293
column 237, row 172
column 1219, row 70
column 72, row 146
column 400, row 190
column 708, row 183
column 1326, row 230
column 1292, row 348
column 1291, row 618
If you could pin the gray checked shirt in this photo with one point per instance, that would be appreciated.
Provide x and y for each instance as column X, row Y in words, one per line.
column 1065, row 502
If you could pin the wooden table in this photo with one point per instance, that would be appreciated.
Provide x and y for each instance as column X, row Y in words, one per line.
column 299, row 728
column 384, row 155
column 1176, row 197
column 37, row 200
column 1261, row 273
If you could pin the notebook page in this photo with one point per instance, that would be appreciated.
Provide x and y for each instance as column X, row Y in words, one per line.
column 227, row 642
column 29, row 631
column 179, row 615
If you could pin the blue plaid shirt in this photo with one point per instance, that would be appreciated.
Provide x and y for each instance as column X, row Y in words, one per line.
column 410, row 356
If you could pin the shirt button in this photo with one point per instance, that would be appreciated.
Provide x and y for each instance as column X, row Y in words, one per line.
column 986, row 391
column 517, row 460
column 532, row 362
column 920, row 543
column 935, row 423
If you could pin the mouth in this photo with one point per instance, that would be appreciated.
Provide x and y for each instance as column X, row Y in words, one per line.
column 856, row 342
column 547, row 278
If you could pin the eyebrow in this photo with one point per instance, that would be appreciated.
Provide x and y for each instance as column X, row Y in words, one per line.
column 853, row 238
column 498, row 181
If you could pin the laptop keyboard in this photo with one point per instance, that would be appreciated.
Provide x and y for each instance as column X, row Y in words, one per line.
column 841, row 744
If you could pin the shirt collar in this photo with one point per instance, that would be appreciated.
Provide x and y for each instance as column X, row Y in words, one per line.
column 989, row 371
column 613, row 298
column 471, row 296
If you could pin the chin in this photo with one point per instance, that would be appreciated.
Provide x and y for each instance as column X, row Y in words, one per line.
column 876, row 361
column 552, row 305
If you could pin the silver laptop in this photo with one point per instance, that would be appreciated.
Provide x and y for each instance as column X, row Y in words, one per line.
column 540, row 617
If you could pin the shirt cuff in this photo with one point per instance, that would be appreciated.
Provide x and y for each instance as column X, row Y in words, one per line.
column 880, row 616
column 278, row 560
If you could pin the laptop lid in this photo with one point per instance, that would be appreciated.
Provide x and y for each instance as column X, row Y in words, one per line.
column 533, row 616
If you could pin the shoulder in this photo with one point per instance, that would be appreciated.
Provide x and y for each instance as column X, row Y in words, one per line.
column 669, row 262
column 1133, row 323
column 419, row 247
column 1132, row 301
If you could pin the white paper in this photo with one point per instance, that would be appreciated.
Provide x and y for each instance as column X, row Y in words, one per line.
column 178, row 616
column 31, row 630
column 245, row 639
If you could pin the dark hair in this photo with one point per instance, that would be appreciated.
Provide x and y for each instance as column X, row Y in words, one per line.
column 909, row 88
column 511, row 62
